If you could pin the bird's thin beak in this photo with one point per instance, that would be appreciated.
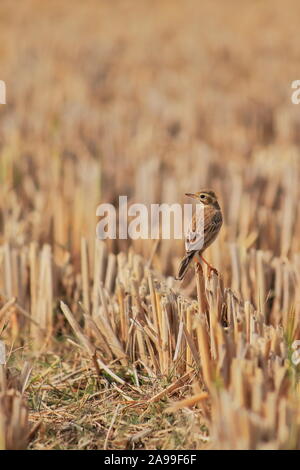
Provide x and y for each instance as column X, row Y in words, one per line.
column 191, row 195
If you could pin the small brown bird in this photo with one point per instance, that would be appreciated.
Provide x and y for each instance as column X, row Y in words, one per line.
column 204, row 229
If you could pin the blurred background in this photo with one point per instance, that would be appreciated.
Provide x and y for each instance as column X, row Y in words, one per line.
column 149, row 99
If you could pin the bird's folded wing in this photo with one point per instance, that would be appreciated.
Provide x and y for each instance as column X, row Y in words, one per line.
column 203, row 229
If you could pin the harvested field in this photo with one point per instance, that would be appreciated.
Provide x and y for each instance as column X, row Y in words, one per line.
column 105, row 349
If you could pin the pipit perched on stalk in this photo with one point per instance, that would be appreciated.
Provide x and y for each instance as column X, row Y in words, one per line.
column 204, row 230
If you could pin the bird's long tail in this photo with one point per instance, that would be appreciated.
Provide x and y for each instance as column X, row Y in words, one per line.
column 184, row 265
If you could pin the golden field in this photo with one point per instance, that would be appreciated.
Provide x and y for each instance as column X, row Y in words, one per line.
column 150, row 100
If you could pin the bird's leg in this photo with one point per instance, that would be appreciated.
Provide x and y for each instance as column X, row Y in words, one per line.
column 210, row 267
column 197, row 263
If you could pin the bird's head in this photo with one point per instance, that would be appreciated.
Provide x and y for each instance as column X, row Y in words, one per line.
column 206, row 197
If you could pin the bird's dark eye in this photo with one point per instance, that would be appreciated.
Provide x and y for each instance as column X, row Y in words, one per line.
column 202, row 196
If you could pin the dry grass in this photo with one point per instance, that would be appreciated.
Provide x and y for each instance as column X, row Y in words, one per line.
column 106, row 349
